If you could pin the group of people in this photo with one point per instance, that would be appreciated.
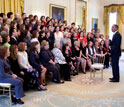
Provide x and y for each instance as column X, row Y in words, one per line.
column 30, row 48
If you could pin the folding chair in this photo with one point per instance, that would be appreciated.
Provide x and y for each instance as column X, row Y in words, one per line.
column 6, row 87
column 98, row 64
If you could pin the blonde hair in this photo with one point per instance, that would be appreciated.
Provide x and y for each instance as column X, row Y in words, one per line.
column 44, row 43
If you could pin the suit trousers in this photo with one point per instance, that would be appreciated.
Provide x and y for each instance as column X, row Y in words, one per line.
column 115, row 67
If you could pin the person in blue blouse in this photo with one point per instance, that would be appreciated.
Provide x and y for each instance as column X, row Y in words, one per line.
column 7, row 76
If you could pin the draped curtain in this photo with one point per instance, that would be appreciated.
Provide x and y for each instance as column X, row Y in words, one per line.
column 15, row 6
column 84, row 16
column 120, row 16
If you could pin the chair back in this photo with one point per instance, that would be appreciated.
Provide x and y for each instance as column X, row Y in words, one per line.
column 99, row 59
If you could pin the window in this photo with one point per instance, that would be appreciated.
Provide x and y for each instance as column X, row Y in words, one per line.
column 112, row 20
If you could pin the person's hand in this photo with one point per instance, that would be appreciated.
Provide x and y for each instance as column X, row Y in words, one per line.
column 73, row 67
column 14, row 76
column 22, row 73
column 87, row 57
column 30, row 68
column 41, row 66
column 78, row 58
column 55, row 61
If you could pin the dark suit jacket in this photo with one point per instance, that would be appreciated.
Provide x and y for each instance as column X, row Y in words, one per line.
column 3, row 68
column 116, row 44
column 34, row 60
column 13, row 41
column 45, row 57
column 14, row 66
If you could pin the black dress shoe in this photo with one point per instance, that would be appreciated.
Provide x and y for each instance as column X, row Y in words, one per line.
column 111, row 78
column 114, row 80
column 41, row 89
column 13, row 100
column 60, row 82
column 19, row 101
column 67, row 79
column 84, row 72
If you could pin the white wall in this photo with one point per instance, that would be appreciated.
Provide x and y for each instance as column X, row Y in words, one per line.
column 108, row 2
column 95, row 10
column 41, row 7
column 79, row 11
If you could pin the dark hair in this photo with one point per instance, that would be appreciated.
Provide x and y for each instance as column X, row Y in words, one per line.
column 2, row 14
column 32, row 46
column 23, row 14
column 64, row 48
column 23, row 34
column 73, row 23
column 35, row 16
column 116, row 26
column 28, row 26
column 9, row 14
column 5, row 37
column 13, row 53
column 3, row 51
column 30, row 16
column 11, row 31
column 47, row 18
column 34, row 34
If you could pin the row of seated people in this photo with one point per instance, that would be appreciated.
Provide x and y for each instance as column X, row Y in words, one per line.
column 40, row 46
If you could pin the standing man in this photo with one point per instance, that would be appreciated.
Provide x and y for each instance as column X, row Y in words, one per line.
column 115, row 53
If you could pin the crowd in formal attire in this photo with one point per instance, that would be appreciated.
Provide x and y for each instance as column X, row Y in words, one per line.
column 31, row 48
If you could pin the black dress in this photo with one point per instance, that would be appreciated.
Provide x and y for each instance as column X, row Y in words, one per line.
column 35, row 60
column 45, row 57
column 16, row 70
column 83, row 49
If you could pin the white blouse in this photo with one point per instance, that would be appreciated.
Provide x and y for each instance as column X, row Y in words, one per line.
column 58, row 56
column 23, row 60
column 58, row 37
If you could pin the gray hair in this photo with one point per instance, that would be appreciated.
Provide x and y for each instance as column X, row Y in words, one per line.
column 56, row 45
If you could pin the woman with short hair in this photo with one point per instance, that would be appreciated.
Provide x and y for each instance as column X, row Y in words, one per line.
column 7, row 76
column 24, row 64
column 60, row 59
column 48, row 61
column 35, row 61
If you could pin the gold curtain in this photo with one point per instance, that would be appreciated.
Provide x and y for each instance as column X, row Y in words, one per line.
column 120, row 16
column 15, row 6
column 84, row 15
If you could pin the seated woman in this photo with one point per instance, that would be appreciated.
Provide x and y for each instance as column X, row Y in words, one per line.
column 48, row 61
column 15, row 66
column 84, row 54
column 6, row 40
column 69, row 60
column 7, row 76
column 97, row 48
column 60, row 59
column 1, row 40
column 107, row 54
column 91, row 51
column 35, row 61
column 80, row 60
column 24, row 64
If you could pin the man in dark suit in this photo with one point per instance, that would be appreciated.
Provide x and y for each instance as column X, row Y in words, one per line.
column 115, row 53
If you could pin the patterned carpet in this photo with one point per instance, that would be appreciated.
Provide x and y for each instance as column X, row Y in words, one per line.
column 81, row 92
